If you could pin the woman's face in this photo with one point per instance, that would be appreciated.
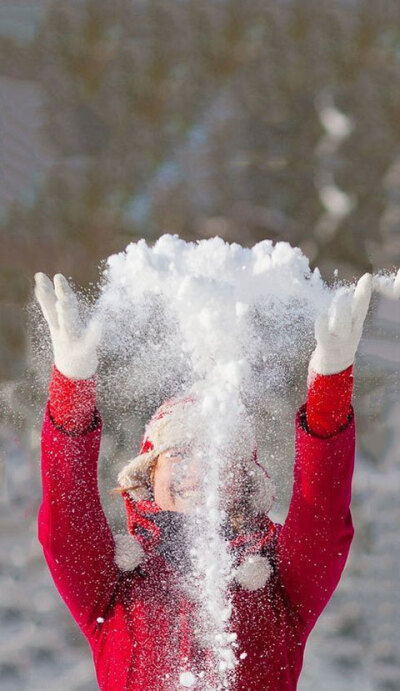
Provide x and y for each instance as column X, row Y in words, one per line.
column 177, row 481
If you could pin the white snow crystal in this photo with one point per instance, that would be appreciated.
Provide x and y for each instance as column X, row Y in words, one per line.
column 187, row 679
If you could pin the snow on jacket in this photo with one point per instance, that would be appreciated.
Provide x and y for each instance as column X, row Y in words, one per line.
column 139, row 624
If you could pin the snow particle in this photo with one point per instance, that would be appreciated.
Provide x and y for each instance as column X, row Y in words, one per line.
column 187, row 679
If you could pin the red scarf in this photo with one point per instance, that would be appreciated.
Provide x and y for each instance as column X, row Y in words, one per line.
column 258, row 537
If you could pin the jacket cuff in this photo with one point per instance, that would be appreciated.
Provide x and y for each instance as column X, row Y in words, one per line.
column 72, row 402
column 95, row 424
column 303, row 428
column 329, row 402
column 323, row 464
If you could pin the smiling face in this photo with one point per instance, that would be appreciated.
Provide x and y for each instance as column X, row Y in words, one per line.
column 177, row 481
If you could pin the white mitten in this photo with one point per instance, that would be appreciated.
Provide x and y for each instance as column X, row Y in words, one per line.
column 338, row 332
column 74, row 344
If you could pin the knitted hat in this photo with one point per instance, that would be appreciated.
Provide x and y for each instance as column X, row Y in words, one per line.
column 174, row 426
column 167, row 429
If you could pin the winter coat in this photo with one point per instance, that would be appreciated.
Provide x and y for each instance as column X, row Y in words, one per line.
column 140, row 624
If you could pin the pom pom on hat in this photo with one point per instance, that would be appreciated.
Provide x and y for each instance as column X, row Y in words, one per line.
column 129, row 553
column 254, row 572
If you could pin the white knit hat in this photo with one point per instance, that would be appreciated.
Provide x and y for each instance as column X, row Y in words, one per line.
column 175, row 425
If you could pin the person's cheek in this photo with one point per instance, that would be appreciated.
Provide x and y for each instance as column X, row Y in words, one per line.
column 170, row 480
column 161, row 492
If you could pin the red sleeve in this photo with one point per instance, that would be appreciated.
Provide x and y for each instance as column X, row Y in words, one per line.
column 315, row 540
column 329, row 402
column 72, row 402
column 77, row 541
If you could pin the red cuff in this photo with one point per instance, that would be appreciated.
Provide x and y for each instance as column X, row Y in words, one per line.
column 329, row 402
column 72, row 402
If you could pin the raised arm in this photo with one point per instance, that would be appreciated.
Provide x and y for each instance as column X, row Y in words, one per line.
column 77, row 541
column 315, row 540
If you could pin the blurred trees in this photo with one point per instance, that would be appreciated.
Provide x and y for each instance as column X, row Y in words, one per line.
column 203, row 117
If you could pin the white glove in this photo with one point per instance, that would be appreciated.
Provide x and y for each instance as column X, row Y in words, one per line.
column 338, row 332
column 74, row 344
column 388, row 286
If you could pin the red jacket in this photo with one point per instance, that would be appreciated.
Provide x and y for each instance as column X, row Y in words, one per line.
column 139, row 624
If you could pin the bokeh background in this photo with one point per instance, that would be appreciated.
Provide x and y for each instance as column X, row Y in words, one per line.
column 250, row 120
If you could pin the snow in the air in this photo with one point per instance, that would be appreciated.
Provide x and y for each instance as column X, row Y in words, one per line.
column 228, row 324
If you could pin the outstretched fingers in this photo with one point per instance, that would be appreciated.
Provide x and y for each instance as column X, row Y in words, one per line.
column 67, row 307
column 361, row 299
column 321, row 328
column 93, row 334
column 45, row 295
column 64, row 291
column 340, row 313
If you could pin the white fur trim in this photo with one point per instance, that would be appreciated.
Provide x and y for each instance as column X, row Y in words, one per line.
column 187, row 679
column 129, row 553
column 135, row 472
column 254, row 572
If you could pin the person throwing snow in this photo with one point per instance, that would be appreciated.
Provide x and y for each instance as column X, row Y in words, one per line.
column 125, row 592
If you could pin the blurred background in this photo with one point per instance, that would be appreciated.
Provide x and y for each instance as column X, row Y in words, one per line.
column 252, row 120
